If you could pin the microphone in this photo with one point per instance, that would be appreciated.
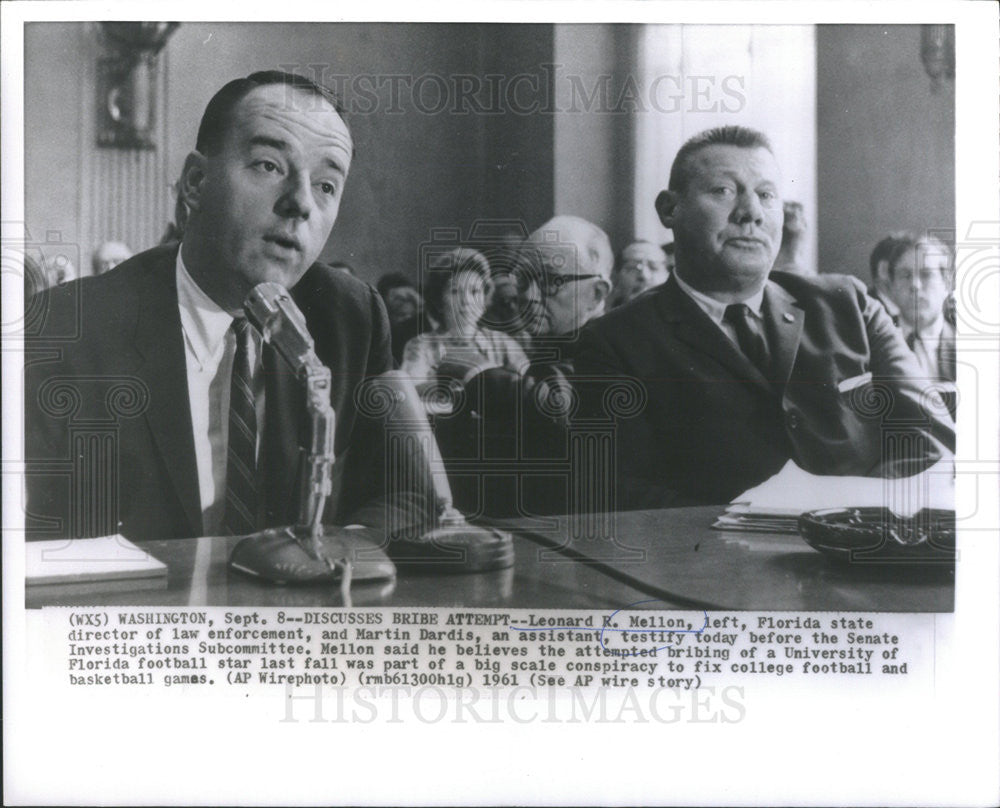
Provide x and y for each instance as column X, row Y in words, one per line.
column 270, row 309
column 314, row 552
column 307, row 551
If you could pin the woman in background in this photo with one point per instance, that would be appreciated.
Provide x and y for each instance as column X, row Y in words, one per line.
column 455, row 293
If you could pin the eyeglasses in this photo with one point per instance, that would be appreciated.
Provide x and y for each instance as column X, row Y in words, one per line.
column 553, row 284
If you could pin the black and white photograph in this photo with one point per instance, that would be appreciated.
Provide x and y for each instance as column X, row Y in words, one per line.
column 509, row 360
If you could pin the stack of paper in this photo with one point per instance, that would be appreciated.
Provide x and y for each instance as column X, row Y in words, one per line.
column 775, row 505
column 108, row 561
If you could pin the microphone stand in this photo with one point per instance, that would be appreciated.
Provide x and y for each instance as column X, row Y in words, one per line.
column 307, row 551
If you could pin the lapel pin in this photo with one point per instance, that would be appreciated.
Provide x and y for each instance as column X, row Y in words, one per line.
column 788, row 317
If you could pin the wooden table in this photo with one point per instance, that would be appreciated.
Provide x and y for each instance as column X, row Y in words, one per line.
column 675, row 550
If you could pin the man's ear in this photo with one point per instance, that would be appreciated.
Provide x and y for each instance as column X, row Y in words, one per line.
column 666, row 202
column 192, row 180
column 602, row 288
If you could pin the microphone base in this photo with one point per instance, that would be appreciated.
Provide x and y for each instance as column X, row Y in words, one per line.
column 455, row 547
column 277, row 556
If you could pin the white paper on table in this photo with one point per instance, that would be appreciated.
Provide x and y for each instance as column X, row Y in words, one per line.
column 78, row 560
column 793, row 491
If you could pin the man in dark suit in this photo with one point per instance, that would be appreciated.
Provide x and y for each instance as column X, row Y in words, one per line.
column 920, row 281
column 151, row 408
column 743, row 372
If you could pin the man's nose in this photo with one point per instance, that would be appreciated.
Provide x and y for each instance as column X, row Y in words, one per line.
column 748, row 208
column 296, row 200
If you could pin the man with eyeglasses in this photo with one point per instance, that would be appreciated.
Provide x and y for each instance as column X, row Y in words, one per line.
column 640, row 266
column 563, row 272
column 745, row 369
column 572, row 262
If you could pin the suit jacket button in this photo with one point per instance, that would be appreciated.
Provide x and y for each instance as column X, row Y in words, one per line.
column 793, row 420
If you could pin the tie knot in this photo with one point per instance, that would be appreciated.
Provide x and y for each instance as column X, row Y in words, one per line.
column 243, row 332
column 736, row 312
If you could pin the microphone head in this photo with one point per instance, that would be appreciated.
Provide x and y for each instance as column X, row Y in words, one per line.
column 264, row 303
column 269, row 308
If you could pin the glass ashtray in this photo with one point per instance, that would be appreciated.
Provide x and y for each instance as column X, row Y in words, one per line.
column 877, row 534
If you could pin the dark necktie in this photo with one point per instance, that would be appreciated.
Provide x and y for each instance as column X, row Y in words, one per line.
column 241, row 454
column 749, row 335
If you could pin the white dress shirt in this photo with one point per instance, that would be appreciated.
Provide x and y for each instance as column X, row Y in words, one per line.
column 716, row 311
column 209, row 350
column 926, row 345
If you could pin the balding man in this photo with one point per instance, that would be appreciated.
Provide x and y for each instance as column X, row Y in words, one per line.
column 745, row 369
column 564, row 270
column 108, row 255
column 572, row 259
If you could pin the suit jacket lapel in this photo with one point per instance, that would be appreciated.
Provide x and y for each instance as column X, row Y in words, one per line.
column 159, row 341
column 693, row 327
column 783, row 320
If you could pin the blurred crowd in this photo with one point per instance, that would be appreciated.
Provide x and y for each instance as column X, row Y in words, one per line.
column 487, row 305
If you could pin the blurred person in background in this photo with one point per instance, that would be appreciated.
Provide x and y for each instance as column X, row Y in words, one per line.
column 920, row 278
column 514, row 304
column 60, row 270
column 407, row 314
column 457, row 286
column 878, row 265
column 791, row 253
column 109, row 255
column 640, row 266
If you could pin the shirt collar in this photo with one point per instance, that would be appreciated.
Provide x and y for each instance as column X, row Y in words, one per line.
column 205, row 324
column 715, row 309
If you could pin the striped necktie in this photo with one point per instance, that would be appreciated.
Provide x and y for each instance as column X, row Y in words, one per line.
column 241, row 453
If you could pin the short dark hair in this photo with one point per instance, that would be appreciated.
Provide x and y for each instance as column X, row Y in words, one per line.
column 446, row 266
column 393, row 280
column 218, row 116
column 904, row 242
column 741, row 136
column 882, row 252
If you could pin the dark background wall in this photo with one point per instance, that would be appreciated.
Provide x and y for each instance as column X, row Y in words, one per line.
column 424, row 160
column 886, row 143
